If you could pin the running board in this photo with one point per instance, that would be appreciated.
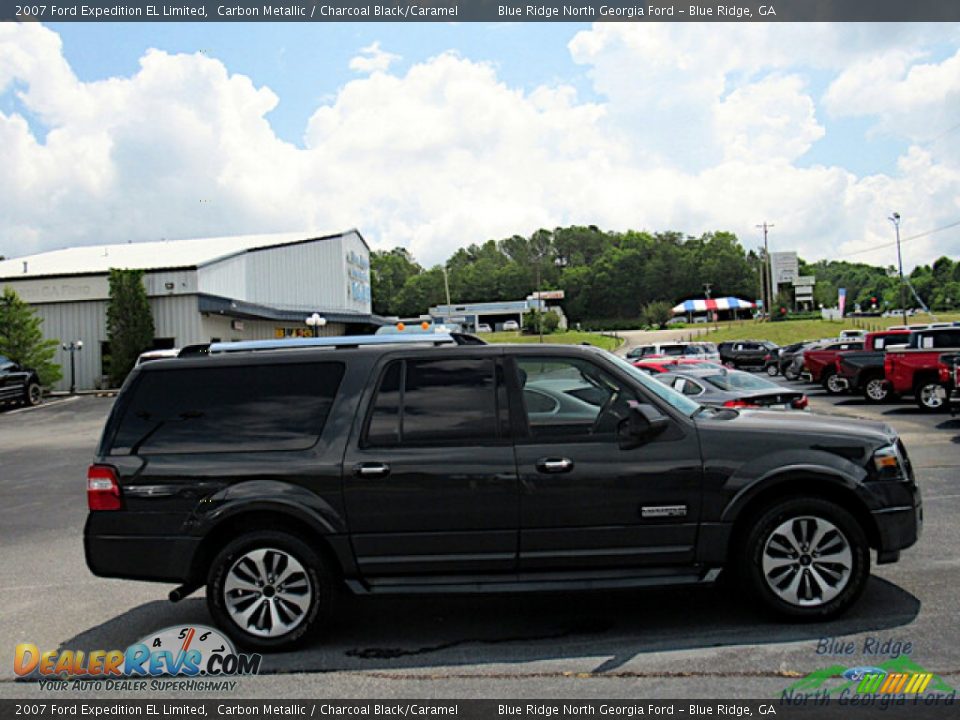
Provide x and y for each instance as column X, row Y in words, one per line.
column 532, row 582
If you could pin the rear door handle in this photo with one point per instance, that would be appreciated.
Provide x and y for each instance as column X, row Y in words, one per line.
column 554, row 465
column 371, row 470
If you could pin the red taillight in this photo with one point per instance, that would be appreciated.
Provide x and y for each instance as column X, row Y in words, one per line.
column 944, row 373
column 739, row 404
column 888, row 365
column 800, row 403
column 768, row 357
column 836, row 364
column 103, row 490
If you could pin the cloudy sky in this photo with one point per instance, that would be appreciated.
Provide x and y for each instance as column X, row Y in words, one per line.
column 437, row 136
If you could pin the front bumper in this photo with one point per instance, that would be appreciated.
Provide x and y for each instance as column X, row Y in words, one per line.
column 898, row 528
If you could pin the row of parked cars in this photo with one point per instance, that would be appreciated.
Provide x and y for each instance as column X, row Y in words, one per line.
column 918, row 361
column 709, row 374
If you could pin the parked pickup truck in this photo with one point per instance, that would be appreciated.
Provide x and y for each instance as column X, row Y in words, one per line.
column 820, row 362
column 949, row 370
column 914, row 370
column 863, row 369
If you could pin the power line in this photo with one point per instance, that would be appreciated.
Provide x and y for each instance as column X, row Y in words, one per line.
column 902, row 240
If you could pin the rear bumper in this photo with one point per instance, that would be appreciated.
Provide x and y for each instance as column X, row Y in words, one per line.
column 141, row 557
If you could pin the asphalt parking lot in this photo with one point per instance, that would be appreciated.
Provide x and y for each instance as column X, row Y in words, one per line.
column 678, row 643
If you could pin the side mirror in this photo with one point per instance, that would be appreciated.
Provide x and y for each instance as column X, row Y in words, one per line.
column 643, row 423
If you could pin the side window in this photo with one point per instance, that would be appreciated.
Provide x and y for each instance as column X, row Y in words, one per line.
column 570, row 398
column 228, row 409
column 691, row 388
column 435, row 402
column 946, row 339
column 879, row 343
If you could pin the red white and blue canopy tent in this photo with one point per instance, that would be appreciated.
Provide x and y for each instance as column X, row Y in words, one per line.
column 712, row 305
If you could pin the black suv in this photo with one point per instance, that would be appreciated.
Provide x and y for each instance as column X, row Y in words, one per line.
column 745, row 353
column 276, row 473
column 19, row 384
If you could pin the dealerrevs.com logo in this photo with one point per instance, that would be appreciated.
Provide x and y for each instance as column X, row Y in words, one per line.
column 176, row 652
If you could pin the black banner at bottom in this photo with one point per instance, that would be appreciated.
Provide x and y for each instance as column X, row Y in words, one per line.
column 884, row 706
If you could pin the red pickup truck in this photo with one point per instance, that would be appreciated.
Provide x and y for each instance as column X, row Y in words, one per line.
column 950, row 377
column 820, row 362
column 863, row 369
column 915, row 369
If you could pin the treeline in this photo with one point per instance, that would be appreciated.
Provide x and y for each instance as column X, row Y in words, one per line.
column 613, row 275
column 603, row 274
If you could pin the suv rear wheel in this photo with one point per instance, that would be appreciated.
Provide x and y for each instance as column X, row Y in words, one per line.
column 269, row 590
column 806, row 558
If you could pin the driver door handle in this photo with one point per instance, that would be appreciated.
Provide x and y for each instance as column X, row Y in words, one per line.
column 554, row 465
column 371, row 470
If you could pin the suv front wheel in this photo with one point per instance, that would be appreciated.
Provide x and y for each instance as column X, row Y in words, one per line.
column 269, row 590
column 33, row 394
column 807, row 558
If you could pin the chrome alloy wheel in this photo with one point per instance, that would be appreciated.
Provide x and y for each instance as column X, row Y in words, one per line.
column 267, row 592
column 877, row 389
column 932, row 395
column 807, row 561
column 836, row 384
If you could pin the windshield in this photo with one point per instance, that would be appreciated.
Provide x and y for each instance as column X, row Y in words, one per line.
column 739, row 381
column 669, row 395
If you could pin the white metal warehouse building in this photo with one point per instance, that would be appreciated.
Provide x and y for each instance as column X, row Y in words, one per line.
column 250, row 287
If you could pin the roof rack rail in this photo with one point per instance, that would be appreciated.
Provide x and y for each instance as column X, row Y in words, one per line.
column 342, row 341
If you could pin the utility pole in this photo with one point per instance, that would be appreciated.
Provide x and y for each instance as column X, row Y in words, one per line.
column 767, row 271
column 446, row 285
column 895, row 219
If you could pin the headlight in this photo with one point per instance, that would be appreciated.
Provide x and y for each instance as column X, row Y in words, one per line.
column 888, row 463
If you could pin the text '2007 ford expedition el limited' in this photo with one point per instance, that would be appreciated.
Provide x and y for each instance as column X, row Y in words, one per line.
column 276, row 472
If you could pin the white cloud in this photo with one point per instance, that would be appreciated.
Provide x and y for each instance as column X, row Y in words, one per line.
column 372, row 59
column 696, row 128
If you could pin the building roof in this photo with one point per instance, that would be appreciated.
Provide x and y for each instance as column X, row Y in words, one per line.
column 94, row 259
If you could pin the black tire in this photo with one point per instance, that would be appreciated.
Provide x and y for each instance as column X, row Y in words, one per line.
column 33, row 394
column 931, row 396
column 876, row 389
column 831, row 383
column 849, row 535
column 321, row 581
column 772, row 370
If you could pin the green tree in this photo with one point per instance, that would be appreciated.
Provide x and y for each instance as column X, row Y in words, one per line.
column 129, row 322
column 657, row 313
column 21, row 338
column 535, row 322
column 389, row 271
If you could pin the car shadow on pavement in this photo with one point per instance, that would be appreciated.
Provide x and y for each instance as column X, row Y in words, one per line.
column 396, row 633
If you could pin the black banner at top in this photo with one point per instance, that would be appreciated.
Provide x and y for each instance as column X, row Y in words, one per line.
column 479, row 11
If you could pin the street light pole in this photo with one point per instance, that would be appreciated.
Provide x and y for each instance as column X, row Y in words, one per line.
column 315, row 322
column 73, row 347
column 895, row 219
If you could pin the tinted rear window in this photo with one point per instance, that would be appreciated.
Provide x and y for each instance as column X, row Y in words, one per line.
column 442, row 402
column 228, row 409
